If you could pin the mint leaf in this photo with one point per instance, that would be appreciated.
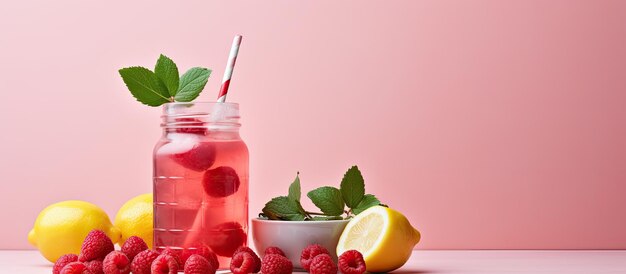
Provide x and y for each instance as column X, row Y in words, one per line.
column 328, row 199
column 167, row 71
column 301, row 209
column 191, row 84
column 294, row 189
column 326, row 218
column 368, row 201
column 283, row 208
column 352, row 187
column 145, row 86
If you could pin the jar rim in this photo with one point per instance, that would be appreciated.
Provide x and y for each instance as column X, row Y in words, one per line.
column 213, row 115
column 201, row 103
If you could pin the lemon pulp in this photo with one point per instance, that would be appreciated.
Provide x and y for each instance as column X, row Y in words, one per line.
column 384, row 236
column 365, row 232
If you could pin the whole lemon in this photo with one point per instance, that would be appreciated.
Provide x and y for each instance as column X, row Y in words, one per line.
column 384, row 236
column 61, row 228
column 135, row 219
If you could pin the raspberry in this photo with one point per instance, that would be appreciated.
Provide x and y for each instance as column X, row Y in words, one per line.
column 226, row 238
column 199, row 158
column 309, row 253
column 276, row 264
column 191, row 125
column 63, row 261
column 174, row 253
column 116, row 263
column 323, row 264
column 220, row 182
column 203, row 251
column 274, row 250
column 197, row 264
column 95, row 267
column 133, row 246
column 243, row 263
column 95, row 247
column 164, row 264
column 351, row 262
column 75, row 268
column 257, row 261
column 142, row 262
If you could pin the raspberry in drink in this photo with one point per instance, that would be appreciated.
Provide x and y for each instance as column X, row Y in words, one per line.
column 201, row 181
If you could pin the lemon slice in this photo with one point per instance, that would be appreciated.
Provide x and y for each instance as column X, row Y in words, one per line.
column 384, row 237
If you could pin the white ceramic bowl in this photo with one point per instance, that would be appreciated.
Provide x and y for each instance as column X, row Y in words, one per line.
column 293, row 236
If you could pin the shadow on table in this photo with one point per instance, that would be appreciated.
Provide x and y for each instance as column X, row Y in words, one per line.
column 414, row 271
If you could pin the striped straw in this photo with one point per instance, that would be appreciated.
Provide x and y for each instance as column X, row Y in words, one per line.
column 229, row 69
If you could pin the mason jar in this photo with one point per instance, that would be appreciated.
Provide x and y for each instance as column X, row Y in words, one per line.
column 201, row 181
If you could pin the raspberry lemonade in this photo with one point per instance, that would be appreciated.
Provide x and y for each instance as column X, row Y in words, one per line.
column 201, row 180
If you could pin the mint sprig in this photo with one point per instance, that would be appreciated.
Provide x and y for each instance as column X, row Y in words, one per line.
column 352, row 187
column 368, row 201
column 167, row 71
column 164, row 85
column 283, row 208
column 145, row 86
column 330, row 200
column 191, row 84
column 294, row 189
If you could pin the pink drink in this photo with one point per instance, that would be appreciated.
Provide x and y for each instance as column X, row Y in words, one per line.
column 201, row 181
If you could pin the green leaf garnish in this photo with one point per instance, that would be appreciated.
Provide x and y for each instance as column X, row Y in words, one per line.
column 283, row 208
column 328, row 199
column 145, row 86
column 167, row 71
column 352, row 187
column 191, row 84
column 294, row 189
column 326, row 218
column 164, row 85
column 368, row 201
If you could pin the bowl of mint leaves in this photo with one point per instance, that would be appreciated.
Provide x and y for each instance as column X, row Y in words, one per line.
column 286, row 224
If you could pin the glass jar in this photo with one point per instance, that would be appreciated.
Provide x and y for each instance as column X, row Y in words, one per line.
column 201, row 181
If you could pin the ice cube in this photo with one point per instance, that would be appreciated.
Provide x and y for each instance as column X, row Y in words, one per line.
column 221, row 113
column 179, row 143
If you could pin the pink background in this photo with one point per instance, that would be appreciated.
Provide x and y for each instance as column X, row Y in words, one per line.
column 490, row 124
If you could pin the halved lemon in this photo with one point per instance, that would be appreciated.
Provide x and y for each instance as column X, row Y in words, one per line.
column 384, row 237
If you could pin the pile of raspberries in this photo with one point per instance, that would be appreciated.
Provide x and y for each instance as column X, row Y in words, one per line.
column 98, row 256
column 314, row 258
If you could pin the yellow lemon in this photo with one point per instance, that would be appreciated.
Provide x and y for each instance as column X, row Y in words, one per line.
column 61, row 228
column 135, row 219
column 384, row 237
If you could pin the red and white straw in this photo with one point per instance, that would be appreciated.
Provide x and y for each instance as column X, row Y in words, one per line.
column 229, row 69
column 196, row 231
